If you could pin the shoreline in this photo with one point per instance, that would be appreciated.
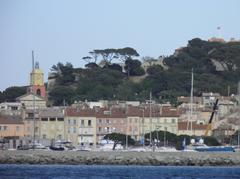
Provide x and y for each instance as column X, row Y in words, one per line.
column 120, row 158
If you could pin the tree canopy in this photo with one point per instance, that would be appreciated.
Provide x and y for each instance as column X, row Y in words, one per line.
column 10, row 94
column 216, row 67
column 119, row 138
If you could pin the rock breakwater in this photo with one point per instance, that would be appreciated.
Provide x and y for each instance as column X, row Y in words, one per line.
column 120, row 158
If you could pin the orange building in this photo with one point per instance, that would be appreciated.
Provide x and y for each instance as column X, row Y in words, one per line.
column 11, row 126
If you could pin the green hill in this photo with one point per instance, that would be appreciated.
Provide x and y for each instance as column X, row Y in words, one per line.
column 216, row 68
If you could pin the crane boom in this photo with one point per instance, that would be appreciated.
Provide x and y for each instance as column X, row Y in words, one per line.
column 211, row 118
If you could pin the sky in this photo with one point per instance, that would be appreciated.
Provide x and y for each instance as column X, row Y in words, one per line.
column 66, row 30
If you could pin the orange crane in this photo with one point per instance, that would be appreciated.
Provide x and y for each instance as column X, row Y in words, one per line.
column 209, row 127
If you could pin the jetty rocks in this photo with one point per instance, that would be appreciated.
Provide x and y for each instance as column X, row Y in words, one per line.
column 120, row 158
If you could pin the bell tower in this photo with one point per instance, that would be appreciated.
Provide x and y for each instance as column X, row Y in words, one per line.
column 37, row 80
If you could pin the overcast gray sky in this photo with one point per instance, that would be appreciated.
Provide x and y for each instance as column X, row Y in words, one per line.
column 61, row 31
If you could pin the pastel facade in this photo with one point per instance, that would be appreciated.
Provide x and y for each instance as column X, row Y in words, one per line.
column 194, row 129
column 28, row 116
column 109, row 121
column 52, row 125
column 80, row 126
column 160, row 118
column 28, row 101
column 11, row 126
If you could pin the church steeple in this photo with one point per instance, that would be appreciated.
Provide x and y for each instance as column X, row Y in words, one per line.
column 37, row 80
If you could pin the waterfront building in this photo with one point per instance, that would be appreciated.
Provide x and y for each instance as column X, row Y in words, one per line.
column 11, row 126
column 80, row 126
column 162, row 118
column 10, row 108
column 31, row 126
column 198, row 129
column 135, row 119
column 52, row 124
column 110, row 120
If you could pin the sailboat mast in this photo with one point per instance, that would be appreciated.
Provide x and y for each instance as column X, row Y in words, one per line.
column 150, row 116
column 33, row 82
column 191, row 102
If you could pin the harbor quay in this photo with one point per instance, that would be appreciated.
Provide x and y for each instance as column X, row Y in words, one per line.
column 120, row 158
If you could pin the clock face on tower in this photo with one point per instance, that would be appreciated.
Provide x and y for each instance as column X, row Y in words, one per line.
column 38, row 79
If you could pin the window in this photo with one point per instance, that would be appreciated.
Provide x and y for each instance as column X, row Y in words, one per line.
column 74, row 122
column 44, row 119
column 89, row 123
column 99, row 129
column 69, row 121
column 100, row 121
column 173, row 121
column 59, row 137
column 4, row 128
column 69, row 130
column 74, row 130
column 60, row 119
column 44, row 136
column 107, row 121
column 14, row 108
column 30, row 114
column 82, row 122
column 17, row 128
column 52, row 119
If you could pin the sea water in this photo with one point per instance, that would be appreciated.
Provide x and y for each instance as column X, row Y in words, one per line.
column 109, row 171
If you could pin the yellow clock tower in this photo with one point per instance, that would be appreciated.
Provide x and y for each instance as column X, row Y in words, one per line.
column 37, row 81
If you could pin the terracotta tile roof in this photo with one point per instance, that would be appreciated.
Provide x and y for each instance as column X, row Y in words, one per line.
column 186, row 99
column 111, row 113
column 10, row 120
column 115, row 112
column 51, row 112
column 79, row 112
column 156, row 111
column 135, row 111
column 195, row 126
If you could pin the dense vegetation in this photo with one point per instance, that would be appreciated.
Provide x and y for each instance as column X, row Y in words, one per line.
column 215, row 65
column 216, row 68
column 10, row 94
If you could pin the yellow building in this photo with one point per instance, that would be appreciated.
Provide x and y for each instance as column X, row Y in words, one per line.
column 52, row 124
column 29, row 123
column 160, row 119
